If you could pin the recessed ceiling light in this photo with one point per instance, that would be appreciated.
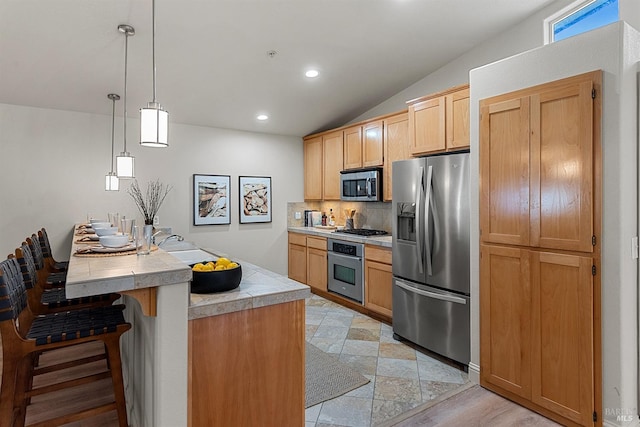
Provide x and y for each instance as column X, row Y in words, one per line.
column 312, row 73
column 262, row 117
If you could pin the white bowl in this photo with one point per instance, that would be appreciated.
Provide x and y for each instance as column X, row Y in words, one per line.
column 95, row 225
column 115, row 241
column 106, row 231
column 95, row 221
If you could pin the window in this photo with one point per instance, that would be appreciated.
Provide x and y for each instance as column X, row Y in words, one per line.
column 579, row 18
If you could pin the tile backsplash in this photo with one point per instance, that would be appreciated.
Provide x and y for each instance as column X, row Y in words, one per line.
column 376, row 215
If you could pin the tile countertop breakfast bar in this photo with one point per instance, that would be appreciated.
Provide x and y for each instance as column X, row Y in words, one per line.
column 231, row 358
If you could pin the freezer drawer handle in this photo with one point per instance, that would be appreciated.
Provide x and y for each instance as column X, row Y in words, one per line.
column 449, row 298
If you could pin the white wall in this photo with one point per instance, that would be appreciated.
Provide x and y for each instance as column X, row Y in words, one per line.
column 616, row 50
column 52, row 174
column 524, row 36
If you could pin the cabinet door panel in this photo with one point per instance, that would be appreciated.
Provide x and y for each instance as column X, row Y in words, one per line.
column 298, row 263
column 457, row 106
column 378, row 290
column 396, row 147
column 372, row 149
column 426, row 120
column 562, row 168
column 317, row 268
column 504, row 164
column 505, row 329
column 333, row 163
column 313, row 169
column 353, row 147
column 562, row 328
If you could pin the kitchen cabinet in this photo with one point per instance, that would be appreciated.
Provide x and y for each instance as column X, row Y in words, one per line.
column 440, row 121
column 308, row 260
column 540, row 251
column 313, row 169
column 317, row 262
column 396, row 147
column 332, row 155
column 298, row 257
column 378, row 280
column 363, row 145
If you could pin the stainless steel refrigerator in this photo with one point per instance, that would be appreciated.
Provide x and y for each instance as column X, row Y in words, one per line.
column 431, row 253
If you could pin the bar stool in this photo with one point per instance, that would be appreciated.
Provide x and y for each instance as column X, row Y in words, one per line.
column 24, row 337
column 49, row 277
column 57, row 266
column 47, row 301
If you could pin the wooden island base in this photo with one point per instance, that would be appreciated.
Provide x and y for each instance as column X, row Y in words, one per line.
column 247, row 367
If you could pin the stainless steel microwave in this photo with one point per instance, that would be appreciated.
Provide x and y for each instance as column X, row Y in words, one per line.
column 361, row 185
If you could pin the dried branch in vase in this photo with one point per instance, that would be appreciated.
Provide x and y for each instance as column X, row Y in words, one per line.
column 149, row 203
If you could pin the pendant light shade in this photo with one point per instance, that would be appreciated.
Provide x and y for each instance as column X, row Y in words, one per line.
column 112, row 183
column 125, row 162
column 154, row 120
column 154, row 126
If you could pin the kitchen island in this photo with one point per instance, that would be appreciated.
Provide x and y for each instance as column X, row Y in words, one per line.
column 187, row 353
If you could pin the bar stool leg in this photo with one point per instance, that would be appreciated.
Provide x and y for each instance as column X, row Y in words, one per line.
column 115, row 365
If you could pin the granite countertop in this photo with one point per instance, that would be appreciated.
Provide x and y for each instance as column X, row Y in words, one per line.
column 384, row 241
column 259, row 288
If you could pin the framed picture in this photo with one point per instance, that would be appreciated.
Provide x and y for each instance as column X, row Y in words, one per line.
column 255, row 199
column 211, row 199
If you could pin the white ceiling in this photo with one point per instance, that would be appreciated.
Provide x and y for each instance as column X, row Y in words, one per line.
column 211, row 55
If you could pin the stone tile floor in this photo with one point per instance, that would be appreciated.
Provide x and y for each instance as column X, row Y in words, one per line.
column 401, row 377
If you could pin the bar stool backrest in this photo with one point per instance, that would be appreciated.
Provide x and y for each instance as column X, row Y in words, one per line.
column 44, row 243
column 36, row 251
column 13, row 293
column 27, row 266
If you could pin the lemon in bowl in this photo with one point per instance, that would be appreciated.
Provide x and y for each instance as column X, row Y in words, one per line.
column 211, row 277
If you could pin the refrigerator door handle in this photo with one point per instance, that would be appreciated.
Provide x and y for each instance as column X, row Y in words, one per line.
column 448, row 298
column 427, row 240
column 419, row 220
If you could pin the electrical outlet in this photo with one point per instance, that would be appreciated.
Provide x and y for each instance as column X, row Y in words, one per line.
column 156, row 220
column 298, row 215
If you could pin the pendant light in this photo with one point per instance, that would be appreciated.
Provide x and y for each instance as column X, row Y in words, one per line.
column 154, row 120
column 125, row 162
column 112, row 183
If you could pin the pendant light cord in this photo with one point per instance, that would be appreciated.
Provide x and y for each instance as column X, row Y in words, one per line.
column 113, row 125
column 126, row 56
column 153, row 45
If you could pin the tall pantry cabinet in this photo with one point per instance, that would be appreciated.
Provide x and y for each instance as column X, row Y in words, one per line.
column 540, row 248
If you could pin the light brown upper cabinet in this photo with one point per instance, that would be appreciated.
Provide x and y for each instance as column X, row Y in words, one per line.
column 332, row 154
column 323, row 161
column 363, row 146
column 440, row 121
column 537, row 168
column 313, row 168
column 396, row 147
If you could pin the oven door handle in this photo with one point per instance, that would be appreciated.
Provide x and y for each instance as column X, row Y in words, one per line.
column 350, row 257
column 448, row 298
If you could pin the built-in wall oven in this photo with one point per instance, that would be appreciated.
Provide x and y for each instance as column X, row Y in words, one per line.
column 346, row 265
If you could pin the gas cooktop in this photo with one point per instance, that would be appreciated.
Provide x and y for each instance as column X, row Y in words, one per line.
column 367, row 232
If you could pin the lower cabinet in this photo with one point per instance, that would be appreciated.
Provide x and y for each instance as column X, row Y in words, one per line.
column 536, row 329
column 317, row 263
column 378, row 279
column 298, row 257
column 308, row 260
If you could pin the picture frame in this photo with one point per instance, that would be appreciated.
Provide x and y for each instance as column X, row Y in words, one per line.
column 211, row 196
column 254, row 195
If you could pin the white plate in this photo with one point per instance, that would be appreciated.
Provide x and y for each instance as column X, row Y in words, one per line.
column 125, row 248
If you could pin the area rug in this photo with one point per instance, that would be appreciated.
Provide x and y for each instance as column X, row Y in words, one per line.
column 326, row 377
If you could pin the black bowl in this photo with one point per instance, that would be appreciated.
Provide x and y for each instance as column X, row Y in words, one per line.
column 208, row 282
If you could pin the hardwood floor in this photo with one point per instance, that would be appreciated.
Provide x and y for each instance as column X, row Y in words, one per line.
column 471, row 407
column 68, row 400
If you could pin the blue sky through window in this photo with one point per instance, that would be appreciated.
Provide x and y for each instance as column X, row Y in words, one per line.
column 596, row 14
